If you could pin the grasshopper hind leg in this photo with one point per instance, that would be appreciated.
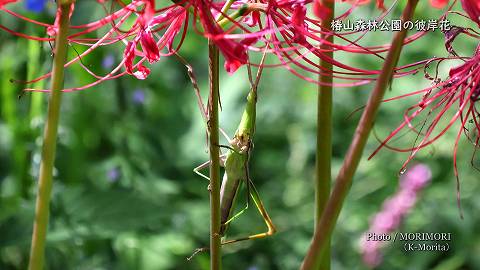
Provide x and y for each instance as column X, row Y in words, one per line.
column 271, row 229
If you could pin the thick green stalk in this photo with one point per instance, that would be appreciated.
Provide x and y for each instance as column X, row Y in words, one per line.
column 40, row 225
column 325, row 227
column 213, row 99
column 323, row 175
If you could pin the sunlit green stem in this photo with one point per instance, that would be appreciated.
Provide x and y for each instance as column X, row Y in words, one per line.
column 330, row 215
column 225, row 9
column 33, row 67
column 323, row 173
column 37, row 250
column 222, row 22
column 215, row 225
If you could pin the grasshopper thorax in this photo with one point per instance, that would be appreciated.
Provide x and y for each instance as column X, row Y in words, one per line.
column 241, row 143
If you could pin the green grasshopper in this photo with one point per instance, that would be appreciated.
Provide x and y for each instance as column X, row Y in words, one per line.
column 235, row 162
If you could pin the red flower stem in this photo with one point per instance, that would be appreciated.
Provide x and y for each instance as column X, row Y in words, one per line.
column 324, row 228
column 323, row 174
column 214, row 187
column 40, row 225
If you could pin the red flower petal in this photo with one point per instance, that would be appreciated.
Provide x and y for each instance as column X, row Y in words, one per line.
column 381, row 5
column 4, row 2
column 473, row 9
column 232, row 65
column 142, row 72
column 438, row 3
column 320, row 10
column 129, row 55
column 149, row 46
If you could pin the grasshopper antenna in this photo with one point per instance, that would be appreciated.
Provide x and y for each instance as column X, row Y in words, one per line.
column 196, row 88
column 194, row 81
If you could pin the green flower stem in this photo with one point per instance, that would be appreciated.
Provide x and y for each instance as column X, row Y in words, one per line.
column 223, row 22
column 32, row 71
column 323, row 175
column 324, row 228
column 225, row 9
column 49, row 142
column 214, row 187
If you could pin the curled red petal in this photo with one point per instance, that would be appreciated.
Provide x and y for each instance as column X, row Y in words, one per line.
column 252, row 19
column 473, row 9
column 232, row 65
column 149, row 46
column 299, row 14
column 142, row 72
column 239, row 56
column 129, row 55
column 298, row 20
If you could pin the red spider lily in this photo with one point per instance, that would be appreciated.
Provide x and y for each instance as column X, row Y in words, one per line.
column 172, row 18
column 282, row 27
column 458, row 95
column 461, row 87
column 153, row 30
column 447, row 102
column 285, row 29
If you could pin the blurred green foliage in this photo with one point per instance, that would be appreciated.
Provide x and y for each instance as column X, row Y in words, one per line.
column 125, row 196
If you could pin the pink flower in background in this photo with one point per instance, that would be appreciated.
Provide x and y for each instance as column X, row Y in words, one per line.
column 394, row 211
